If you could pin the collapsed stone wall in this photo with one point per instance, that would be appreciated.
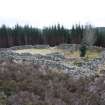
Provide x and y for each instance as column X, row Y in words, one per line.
column 54, row 61
column 29, row 47
column 75, row 47
column 51, row 62
column 70, row 47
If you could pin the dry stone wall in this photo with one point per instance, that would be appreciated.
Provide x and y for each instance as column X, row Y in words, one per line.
column 28, row 47
column 75, row 47
column 54, row 61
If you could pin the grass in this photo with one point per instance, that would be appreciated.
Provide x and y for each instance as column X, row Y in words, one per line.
column 91, row 54
column 37, row 51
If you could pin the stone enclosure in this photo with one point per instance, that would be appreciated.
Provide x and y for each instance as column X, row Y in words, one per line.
column 56, row 60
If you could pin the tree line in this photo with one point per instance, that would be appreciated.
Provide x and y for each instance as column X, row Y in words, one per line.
column 54, row 35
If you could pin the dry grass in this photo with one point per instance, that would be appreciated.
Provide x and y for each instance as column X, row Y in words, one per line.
column 92, row 54
column 101, row 70
column 37, row 51
column 34, row 51
column 75, row 54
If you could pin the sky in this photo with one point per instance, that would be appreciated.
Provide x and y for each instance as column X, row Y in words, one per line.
column 41, row 13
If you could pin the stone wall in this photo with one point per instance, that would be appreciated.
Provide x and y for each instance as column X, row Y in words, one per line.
column 28, row 47
column 75, row 47
column 54, row 61
column 71, row 47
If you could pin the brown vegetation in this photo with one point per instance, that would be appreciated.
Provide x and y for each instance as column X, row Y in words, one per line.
column 22, row 84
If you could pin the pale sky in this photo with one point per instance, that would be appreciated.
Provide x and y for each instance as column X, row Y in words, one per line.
column 40, row 13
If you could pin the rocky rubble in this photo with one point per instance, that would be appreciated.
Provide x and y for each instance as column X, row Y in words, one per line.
column 70, row 47
column 54, row 61
column 29, row 47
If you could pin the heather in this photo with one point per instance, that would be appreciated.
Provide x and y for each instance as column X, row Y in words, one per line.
column 30, row 84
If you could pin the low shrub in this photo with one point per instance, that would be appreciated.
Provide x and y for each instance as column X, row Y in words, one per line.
column 22, row 84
